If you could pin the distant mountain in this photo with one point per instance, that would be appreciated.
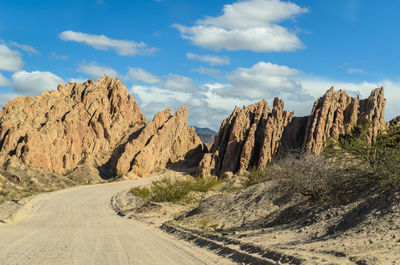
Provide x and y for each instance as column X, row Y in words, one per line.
column 206, row 134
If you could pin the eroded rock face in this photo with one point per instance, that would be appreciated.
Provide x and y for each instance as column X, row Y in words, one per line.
column 58, row 130
column 165, row 140
column 336, row 113
column 254, row 135
column 249, row 137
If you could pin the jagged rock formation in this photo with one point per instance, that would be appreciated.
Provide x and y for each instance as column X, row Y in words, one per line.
column 80, row 128
column 336, row 113
column 254, row 135
column 58, row 130
column 166, row 139
column 249, row 137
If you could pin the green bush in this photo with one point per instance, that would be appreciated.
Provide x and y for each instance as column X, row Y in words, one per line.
column 141, row 192
column 375, row 164
column 255, row 176
column 168, row 190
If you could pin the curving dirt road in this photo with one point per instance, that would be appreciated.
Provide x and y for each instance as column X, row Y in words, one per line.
column 78, row 226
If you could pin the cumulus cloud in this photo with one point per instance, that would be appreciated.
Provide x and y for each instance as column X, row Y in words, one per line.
column 153, row 99
column 211, row 60
column 264, row 80
column 34, row 82
column 96, row 71
column 3, row 80
column 208, row 71
column 139, row 74
column 10, row 60
column 247, row 25
column 101, row 42
column 209, row 104
column 179, row 83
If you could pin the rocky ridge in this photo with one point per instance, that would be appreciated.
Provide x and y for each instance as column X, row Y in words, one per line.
column 254, row 135
column 91, row 128
column 249, row 138
column 164, row 140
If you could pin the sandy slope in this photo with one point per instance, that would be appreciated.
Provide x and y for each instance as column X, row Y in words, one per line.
column 78, row 226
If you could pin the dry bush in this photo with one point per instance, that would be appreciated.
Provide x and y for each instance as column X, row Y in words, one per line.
column 318, row 177
column 314, row 176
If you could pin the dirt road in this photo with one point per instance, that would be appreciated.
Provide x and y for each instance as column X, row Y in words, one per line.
column 78, row 226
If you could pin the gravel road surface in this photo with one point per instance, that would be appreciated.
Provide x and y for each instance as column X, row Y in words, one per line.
column 78, row 226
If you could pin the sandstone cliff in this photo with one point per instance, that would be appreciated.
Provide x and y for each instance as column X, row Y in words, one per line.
column 336, row 113
column 249, row 137
column 254, row 135
column 58, row 130
column 165, row 140
column 80, row 128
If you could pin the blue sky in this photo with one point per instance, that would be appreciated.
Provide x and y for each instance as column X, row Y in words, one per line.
column 210, row 54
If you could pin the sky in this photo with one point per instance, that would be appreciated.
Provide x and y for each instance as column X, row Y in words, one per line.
column 212, row 55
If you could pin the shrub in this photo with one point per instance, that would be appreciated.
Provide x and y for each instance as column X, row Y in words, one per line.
column 376, row 163
column 167, row 190
column 255, row 176
column 141, row 192
column 317, row 177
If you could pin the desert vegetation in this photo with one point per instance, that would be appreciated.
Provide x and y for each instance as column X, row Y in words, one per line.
column 348, row 167
column 178, row 190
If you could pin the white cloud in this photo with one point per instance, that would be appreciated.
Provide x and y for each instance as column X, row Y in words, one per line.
column 208, row 71
column 352, row 70
column 179, row 83
column 34, row 82
column 247, row 25
column 211, row 60
column 264, row 80
column 101, row 42
column 26, row 48
column 77, row 80
column 141, row 75
column 152, row 94
column 3, row 81
column 10, row 60
column 96, row 71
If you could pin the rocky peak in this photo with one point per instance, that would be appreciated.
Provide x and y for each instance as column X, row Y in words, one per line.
column 254, row 135
column 165, row 140
column 249, row 137
column 58, row 130
column 335, row 113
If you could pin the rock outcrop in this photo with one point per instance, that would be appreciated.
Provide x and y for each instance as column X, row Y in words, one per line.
column 254, row 135
column 249, row 137
column 58, row 130
column 336, row 113
column 80, row 128
column 165, row 140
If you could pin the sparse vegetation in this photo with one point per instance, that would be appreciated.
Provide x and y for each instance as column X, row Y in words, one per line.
column 167, row 190
column 348, row 167
column 376, row 164
column 256, row 175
